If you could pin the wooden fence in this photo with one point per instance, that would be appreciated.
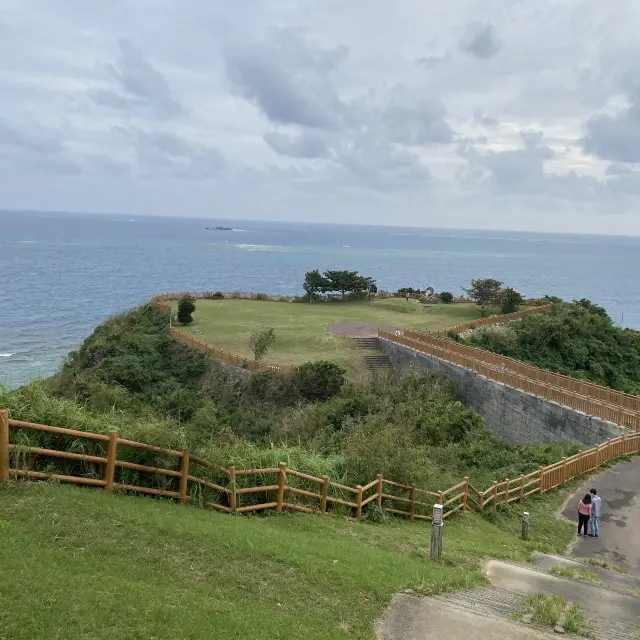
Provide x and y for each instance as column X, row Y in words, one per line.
column 281, row 488
column 588, row 398
column 205, row 347
column 497, row 319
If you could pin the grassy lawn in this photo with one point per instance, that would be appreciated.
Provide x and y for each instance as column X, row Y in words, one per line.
column 82, row 564
column 301, row 329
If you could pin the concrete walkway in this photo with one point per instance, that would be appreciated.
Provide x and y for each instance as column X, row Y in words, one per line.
column 413, row 618
column 619, row 540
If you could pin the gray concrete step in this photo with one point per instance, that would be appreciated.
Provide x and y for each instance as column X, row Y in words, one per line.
column 598, row 601
column 377, row 362
column 368, row 343
column 609, row 578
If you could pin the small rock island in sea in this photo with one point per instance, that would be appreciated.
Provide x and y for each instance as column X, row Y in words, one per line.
column 219, row 228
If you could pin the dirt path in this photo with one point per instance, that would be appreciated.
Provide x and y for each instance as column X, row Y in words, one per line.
column 619, row 540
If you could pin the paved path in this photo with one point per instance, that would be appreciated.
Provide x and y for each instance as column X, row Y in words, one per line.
column 619, row 540
column 412, row 618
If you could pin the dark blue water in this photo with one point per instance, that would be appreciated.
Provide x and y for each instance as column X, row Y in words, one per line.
column 61, row 274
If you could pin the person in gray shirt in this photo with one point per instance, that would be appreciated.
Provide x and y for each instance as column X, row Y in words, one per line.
column 595, row 513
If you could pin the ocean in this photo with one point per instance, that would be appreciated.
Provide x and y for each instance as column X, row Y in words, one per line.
column 62, row 274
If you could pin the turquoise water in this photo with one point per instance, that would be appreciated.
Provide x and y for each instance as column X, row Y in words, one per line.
column 62, row 274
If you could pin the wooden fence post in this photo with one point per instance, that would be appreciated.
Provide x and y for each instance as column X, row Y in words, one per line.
column 565, row 471
column 358, row 502
column 112, row 456
column 541, row 480
column 494, row 490
column 412, row 504
column 184, row 475
column 505, row 490
column 233, row 501
column 379, row 491
column 435, row 551
column 522, row 488
column 580, row 462
column 4, row 446
column 323, row 497
column 466, row 493
column 282, row 482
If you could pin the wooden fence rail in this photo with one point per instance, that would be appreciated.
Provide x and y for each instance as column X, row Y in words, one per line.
column 580, row 387
column 492, row 367
column 281, row 488
column 496, row 319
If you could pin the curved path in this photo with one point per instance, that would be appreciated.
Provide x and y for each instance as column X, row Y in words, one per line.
column 619, row 541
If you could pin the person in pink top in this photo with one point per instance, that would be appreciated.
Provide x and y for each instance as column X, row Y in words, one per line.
column 584, row 514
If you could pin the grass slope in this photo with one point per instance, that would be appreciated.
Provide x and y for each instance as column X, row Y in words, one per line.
column 301, row 329
column 79, row 563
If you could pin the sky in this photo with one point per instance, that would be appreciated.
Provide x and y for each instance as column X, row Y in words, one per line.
column 501, row 114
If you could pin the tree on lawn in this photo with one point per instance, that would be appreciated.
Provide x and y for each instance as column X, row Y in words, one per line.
column 261, row 341
column 314, row 283
column 343, row 281
column 186, row 307
column 484, row 292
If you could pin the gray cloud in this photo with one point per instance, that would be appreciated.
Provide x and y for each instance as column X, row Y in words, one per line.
column 308, row 144
column 422, row 124
column 169, row 154
column 137, row 84
column 287, row 78
column 480, row 40
column 614, row 137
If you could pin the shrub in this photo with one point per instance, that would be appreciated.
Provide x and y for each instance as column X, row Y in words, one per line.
column 186, row 307
column 218, row 295
column 263, row 296
column 319, row 380
column 446, row 297
column 509, row 300
column 260, row 342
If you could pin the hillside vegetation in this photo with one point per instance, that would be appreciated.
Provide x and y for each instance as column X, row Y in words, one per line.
column 131, row 376
column 80, row 563
column 578, row 339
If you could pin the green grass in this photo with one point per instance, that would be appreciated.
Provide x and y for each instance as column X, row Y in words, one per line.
column 82, row 564
column 301, row 329
column 548, row 611
column 576, row 573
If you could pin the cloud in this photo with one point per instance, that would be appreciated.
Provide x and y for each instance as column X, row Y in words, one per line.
column 480, row 40
column 166, row 153
column 421, row 124
column 287, row 78
column 308, row 144
column 614, row 137
column 137, row 83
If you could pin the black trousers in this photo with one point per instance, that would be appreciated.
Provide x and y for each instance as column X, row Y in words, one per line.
column 583, row 521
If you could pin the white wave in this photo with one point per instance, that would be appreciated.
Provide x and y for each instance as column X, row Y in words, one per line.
column 6, row 355
column 27, row 241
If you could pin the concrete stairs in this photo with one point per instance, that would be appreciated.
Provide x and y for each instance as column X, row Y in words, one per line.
column 613, row 604
column 368, row 343
column 376, row 361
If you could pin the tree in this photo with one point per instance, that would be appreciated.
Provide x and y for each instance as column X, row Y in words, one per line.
column 344, row 281
column 186, row 307
column 260, row 342
column 484, row 292
column 314, row 283
column 446, row 297
column 372, row 287
column 509, row 300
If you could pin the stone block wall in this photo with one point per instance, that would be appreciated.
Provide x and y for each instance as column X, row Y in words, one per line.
column 514, row 416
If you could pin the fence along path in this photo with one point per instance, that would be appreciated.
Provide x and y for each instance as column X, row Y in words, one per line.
column 209, row 349
column 607, row 404
column 279, row 488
